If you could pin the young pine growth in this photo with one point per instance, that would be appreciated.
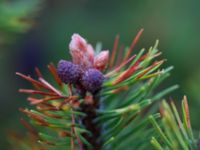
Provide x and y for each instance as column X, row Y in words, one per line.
column 69, row 72
column 100, row 101
column 92, row 80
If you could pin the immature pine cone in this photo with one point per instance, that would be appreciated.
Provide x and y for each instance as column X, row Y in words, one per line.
column 68, row 72
column 92, row 80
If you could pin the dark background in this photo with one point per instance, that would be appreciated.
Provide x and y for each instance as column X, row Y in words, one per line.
column 174, row 22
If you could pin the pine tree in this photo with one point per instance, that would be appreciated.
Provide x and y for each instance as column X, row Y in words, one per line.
column 97, row 101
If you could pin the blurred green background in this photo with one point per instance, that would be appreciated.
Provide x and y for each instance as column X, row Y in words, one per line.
column 34, row 33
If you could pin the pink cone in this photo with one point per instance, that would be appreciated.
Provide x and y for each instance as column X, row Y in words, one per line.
column 101, row 60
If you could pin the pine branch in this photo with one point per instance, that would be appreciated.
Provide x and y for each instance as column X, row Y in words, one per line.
column 97, row 103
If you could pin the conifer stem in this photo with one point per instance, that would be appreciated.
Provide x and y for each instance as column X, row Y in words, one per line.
column 88, row 121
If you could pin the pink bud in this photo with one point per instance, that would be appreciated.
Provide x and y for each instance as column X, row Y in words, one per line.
column 101, row 60
column 90, row 52
column 77, row 43
column 82, row 53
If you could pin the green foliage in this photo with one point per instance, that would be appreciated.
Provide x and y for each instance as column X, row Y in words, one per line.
column 127, row 99
column 171, row 132
column 128, row 111
column 16, row 17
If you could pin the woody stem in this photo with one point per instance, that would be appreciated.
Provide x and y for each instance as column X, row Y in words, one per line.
column 88, row 121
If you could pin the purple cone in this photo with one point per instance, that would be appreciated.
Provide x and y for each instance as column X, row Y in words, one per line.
column 68, row 72
column 92, row 80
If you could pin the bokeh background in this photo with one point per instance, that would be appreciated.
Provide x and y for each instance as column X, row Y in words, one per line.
column 36, row 32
